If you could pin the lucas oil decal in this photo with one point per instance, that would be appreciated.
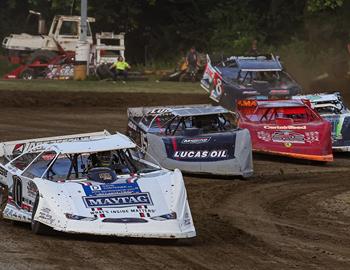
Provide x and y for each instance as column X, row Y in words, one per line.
column 201, row 149
column 122, row 200
column 201, row 154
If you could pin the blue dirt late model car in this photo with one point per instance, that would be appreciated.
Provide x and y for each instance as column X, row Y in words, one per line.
column 241, row 77
column 200, row 139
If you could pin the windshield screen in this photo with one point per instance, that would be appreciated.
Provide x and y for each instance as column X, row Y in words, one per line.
column 79, row 166
column 201, row 124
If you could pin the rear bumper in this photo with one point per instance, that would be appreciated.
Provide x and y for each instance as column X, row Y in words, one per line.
column 169, row 229
column 341, row 148
column 324, row 158
column 223, row 168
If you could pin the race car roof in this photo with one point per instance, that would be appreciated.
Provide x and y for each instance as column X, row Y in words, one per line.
column 259, row 65
column 196, row 111
column 111, row 142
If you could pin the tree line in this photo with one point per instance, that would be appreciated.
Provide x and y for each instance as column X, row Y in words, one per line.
column 161, row 30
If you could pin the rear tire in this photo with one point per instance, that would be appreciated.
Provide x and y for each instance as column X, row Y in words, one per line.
column 27, row 74
column 36, row 226
column 103, row 72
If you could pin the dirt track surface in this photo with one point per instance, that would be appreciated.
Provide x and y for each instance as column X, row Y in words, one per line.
column 290, row 215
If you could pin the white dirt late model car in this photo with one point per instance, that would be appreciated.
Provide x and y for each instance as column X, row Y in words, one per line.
column 331, row 107
column 93, row 184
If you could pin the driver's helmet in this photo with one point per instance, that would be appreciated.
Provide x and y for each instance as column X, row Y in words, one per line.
column 100, row 159
column 104, row 158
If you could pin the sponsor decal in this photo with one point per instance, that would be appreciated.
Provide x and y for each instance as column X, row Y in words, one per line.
column 201, row 149
column 187, row 219
column 282, row 91
column 32, row 189
column 3, row 172
column 247, row 103
column 22, row 147
column 263, row 135
column 130, row 187
column 201, row 154
column 98, row 211
column 312, row 136
column 45, row 215
column 159, row 111
column 195, row 140
column 217, row 90
column 123, row 200
column 288, row 144
column 288, row 137
column 132, row 125
column 289, row 127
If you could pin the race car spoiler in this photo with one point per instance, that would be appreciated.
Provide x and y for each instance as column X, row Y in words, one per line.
column 320, row 97
column 11, row 149
column 324, row 100
column 142, row 111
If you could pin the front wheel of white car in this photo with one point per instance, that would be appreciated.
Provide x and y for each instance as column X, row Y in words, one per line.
column 3, row 198
column 38, row 227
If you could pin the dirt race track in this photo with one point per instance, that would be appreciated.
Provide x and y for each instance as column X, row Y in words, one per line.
column 290, row 215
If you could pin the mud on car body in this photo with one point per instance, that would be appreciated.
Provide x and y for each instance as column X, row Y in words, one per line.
column 331, row 107
column 286, row 127
column 200, row 139
column 241, row 77
column 93, row 184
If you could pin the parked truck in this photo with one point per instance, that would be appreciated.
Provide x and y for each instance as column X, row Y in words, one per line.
column 52, row 55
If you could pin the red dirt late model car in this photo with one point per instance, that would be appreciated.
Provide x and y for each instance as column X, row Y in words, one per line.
column 286, row 127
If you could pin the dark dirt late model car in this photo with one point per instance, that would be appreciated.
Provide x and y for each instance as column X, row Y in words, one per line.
column 198, row 139
column 331, row 107
column 240, row 77
column 286, row 127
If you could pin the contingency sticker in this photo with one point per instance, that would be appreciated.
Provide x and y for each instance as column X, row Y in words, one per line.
column 108, row 189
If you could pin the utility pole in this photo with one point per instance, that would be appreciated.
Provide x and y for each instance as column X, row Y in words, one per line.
column 82, row 51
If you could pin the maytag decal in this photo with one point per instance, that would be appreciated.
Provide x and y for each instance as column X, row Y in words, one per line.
column 201, row 154
column 195, row 140
column 123, row 200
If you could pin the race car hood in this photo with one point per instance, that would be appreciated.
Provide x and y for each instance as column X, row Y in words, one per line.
column 130, row 206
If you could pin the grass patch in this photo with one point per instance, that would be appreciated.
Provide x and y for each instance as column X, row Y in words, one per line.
column 102, row 86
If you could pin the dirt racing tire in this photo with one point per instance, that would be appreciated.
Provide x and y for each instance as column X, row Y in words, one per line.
column 183, row 77
column 3, row 198
column 103, row 72
column 36, row 226
column 41, row 55
column 27, row 74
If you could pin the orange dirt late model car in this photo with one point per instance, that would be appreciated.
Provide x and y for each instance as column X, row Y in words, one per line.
column 286, row 127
